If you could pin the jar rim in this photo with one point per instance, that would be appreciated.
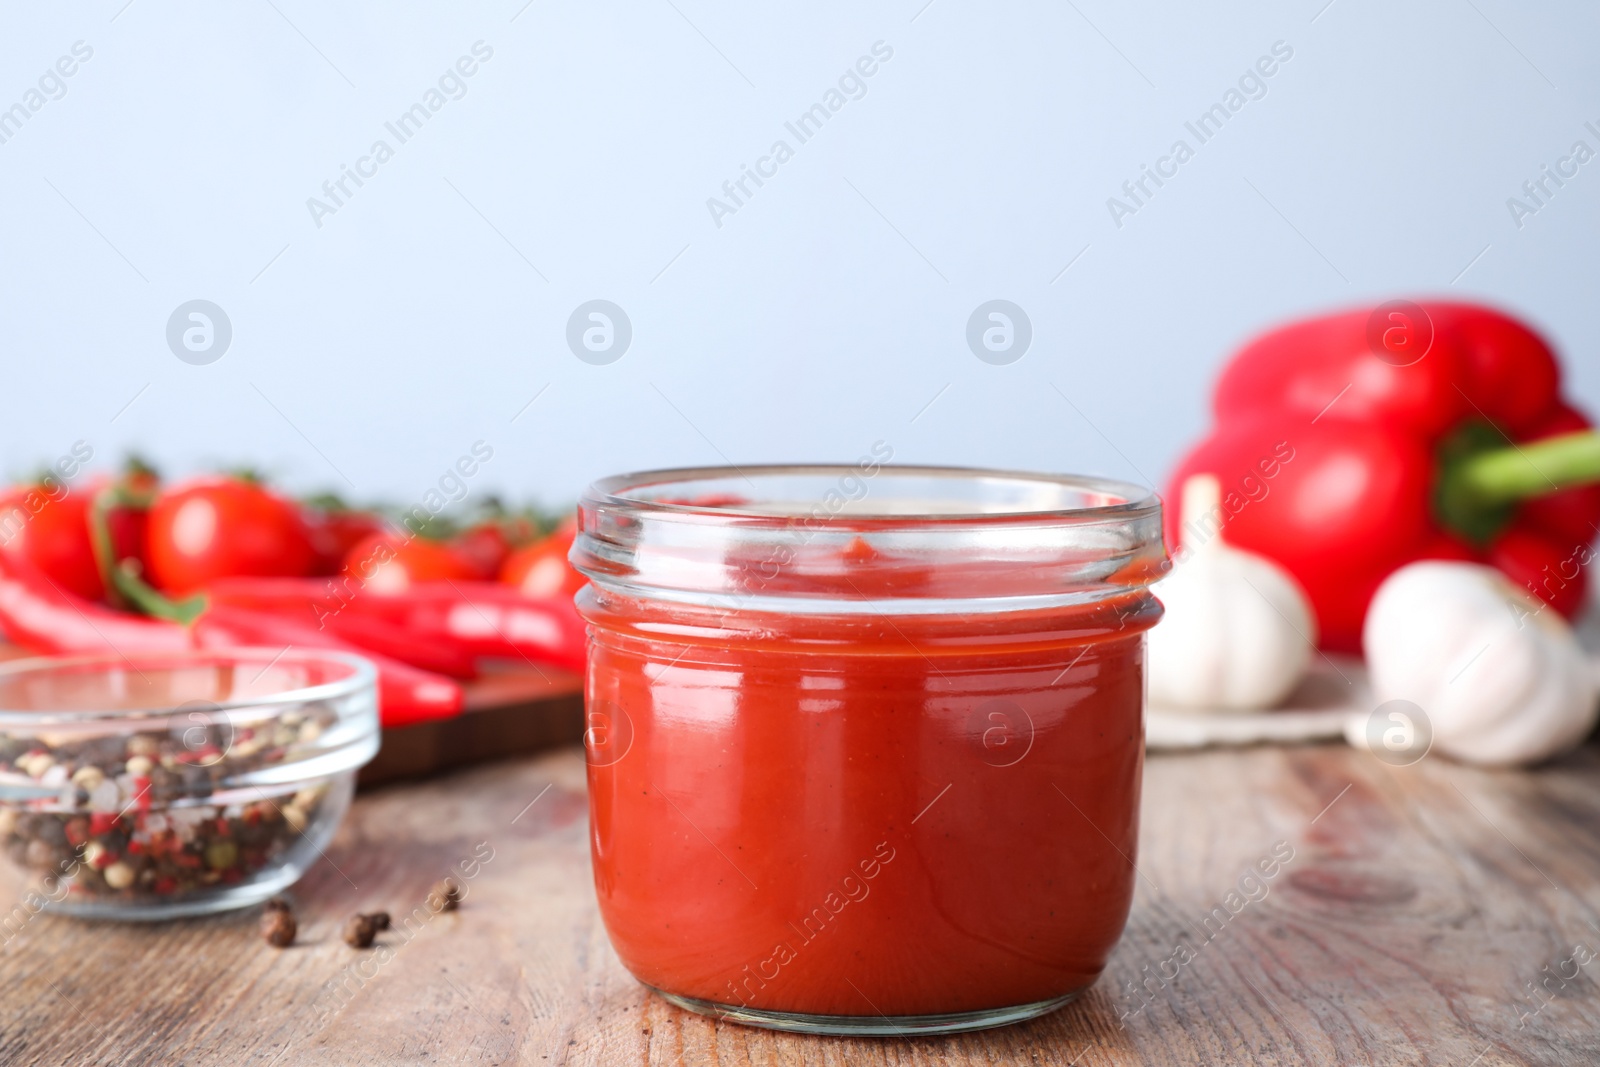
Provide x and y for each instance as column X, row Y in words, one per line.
column 869, row 537
column 1129, row 498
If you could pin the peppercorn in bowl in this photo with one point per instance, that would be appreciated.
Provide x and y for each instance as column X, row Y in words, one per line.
column 160, row 785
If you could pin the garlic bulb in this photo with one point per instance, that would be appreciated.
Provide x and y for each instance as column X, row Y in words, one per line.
column 1500, row 676
column 1238, row 632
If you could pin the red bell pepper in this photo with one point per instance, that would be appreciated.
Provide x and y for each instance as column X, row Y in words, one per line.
column 1352, row 444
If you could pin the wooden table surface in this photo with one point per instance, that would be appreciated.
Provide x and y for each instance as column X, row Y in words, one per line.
column 1421, row 908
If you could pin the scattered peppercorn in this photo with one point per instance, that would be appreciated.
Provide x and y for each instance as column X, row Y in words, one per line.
column 361, row 929
column 444, row 896
column 278, row 927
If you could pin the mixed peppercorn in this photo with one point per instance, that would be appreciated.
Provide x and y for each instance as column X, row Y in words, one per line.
column 132, row 821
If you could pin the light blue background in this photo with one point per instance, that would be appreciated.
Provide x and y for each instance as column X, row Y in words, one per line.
column 373, row 351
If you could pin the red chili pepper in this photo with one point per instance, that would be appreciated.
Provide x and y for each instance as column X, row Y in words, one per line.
column 489, row 618
column 374, row 634
column 405, row 694
column 1352, row 444
column 471, row 618
column 42, row 617
column 318, row 603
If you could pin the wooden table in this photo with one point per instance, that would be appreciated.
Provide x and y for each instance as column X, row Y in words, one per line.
column 1420, row 905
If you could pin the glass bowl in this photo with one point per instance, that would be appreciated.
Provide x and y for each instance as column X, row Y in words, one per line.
column 160, row 785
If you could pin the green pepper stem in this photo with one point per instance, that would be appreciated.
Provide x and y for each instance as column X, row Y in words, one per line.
column 118, row 494
column 131, row 584
column 105, row 556
column 1530, row 469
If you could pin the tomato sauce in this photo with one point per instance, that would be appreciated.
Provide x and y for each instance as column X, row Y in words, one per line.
column 865, row 814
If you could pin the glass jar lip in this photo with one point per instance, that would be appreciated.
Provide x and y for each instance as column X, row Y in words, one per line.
column 362, row 674
column 1130, row 500
column 870, row 537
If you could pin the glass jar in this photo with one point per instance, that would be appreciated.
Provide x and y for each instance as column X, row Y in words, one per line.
column 159, row 785
column 865, row 742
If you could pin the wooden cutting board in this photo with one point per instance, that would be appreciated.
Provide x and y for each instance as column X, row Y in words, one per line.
column 511, row 710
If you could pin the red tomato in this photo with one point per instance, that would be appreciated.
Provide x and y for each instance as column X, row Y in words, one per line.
column 334, row 533
column 485, row 547
column 218, row 527
column 49, row 527
column 542, row 569
column 390, row 562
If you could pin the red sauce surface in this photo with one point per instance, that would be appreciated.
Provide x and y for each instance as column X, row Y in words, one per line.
column 865, row 815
